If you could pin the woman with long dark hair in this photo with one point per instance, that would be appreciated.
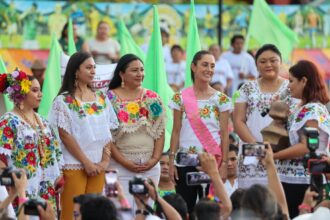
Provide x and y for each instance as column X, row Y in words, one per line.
column 83, row 118
column 306, row 84
column 139, row 140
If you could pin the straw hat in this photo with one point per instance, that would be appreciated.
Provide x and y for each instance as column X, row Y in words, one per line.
column 38, row 65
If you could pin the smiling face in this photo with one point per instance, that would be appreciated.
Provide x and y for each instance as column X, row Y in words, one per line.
column 133, row 75
column 86, row 72
column 164, row 165
column 33, row 98
column 268, row 64
column 204, row 69
column 296, row 86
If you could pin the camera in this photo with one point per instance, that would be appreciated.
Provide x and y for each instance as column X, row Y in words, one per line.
column 186, row 159
column 6, row 178
column 197, row 178
column 136, row 186
column 256, row 150
column 318, row 166
column 110, row 180
column 30, row 206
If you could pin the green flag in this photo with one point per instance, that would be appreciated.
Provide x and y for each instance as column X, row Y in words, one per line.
column 155, row 76
column 52, row 82
column 8, row 104
column 193, row 43
column 127, row 43
column 267, row 28
column 71, row 45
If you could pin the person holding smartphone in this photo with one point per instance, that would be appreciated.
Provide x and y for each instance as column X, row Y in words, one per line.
column 306, row 84
column 201, row 116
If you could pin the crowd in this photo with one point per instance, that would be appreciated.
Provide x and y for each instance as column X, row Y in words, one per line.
column 100, row 155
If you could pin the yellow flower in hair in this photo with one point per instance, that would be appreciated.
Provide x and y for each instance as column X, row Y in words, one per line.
column 25, row 86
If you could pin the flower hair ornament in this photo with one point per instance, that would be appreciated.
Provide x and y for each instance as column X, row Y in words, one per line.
column 16, row 85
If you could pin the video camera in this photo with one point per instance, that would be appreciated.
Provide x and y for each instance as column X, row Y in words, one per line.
column 136, row 186
column 31, row 206
column 6, row 178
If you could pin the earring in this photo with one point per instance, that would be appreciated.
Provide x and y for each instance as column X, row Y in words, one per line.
column 122, row 84
column 21, row 106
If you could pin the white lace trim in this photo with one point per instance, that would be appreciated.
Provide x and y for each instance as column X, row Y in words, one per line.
column 73, row 167
column 6, row 152
column 139, row 158
column 59, row 116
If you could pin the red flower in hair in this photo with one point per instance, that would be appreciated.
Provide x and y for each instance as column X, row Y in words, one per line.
column 22, row 75
column 3, row 82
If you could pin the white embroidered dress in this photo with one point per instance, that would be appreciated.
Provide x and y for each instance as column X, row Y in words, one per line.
column 209, row 111
column 257, row 104
column 88, row 122
column 293, row 171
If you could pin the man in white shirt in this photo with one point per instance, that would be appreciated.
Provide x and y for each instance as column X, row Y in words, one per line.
column 223, row 74
column 176, row 68
column 241, row 62
column 231, row 182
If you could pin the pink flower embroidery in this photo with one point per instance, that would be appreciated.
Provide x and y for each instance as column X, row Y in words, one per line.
column 151, row 94
column 123, row 116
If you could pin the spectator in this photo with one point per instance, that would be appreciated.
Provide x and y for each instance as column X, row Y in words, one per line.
column 176, row 68
column 177, row 202
column 165, row 186
column 81, row 45
column 38, row 70
column 231, row 182
column 104, row 49
column 206, row 209
column 98, row 208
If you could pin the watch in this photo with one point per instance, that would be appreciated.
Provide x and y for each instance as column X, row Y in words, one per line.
column 142, row 212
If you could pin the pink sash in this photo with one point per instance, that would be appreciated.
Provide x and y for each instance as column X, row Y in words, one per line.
column 201, row 131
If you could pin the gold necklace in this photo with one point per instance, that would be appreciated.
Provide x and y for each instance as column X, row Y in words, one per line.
column 40, row 133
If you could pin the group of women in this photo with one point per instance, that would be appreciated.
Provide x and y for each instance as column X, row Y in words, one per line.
column 86, row 127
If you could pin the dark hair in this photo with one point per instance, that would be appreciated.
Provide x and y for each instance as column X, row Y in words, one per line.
column 99, row 208
column 235, row 37
column 232, row 147
column 198, row 56
column 267, row 47
column 315, row 88
column 236, row 198
column 176, row 47
column 81, row 199
column 177, row 202
column 261, row 201
column 70, row 72
column 206, row 209
column 64, row 34
column 121, row 67
column 101, row 22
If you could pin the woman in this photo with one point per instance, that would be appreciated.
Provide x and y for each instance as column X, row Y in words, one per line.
column 251, row 110
column 27, row 140
column 307, row 85
column 104, row 49
column 211, row 108
column 140, row 137
column 80, row 115
column 80, row 44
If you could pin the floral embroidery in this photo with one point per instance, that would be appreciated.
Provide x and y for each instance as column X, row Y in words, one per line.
column 133, row 108
column 223, row 99
column 205, row 112
column 192, row 150
column 302, row 113
column 86, row 108
column 177, row 99
column 123, row 116
column 156, row 109
column 216, row 112
column 151, row 94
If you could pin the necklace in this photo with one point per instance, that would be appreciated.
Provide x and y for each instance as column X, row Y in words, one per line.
column 40, row 135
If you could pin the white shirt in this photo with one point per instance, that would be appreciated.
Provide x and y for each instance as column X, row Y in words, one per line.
column 3, row 196
column 243, row 63
column 109, row 46
column 231, row 188
column 175, row 72
column 222, row 72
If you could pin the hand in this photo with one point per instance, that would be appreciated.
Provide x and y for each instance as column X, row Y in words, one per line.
column 91, row 169
column 208, row 163
column 173, row 172
column 309, row 197
column 241, row 75
column 59, row 184
column 103, row 165
column 223, row 171
column 152, row 191
column 148, row 165
column 20, row 183
column 130, row 165
column 47, row 214
column 268, row 160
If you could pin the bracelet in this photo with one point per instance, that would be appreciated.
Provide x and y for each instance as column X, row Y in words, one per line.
column 213, row 198
column 306, row 207
column 142, row 212
column 22, row 200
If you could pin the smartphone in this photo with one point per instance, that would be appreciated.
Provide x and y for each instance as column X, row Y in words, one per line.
column 318, row 166
column 197, row 178
column 110, row 180
column 256, row 150
column 186, row 159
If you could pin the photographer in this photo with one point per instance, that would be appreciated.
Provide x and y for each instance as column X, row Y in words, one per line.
column 145, row 212
column 306, row 84
column 17, row 190
column 209, row 166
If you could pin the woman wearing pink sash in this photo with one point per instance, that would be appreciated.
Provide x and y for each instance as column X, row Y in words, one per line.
column 201, row 116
